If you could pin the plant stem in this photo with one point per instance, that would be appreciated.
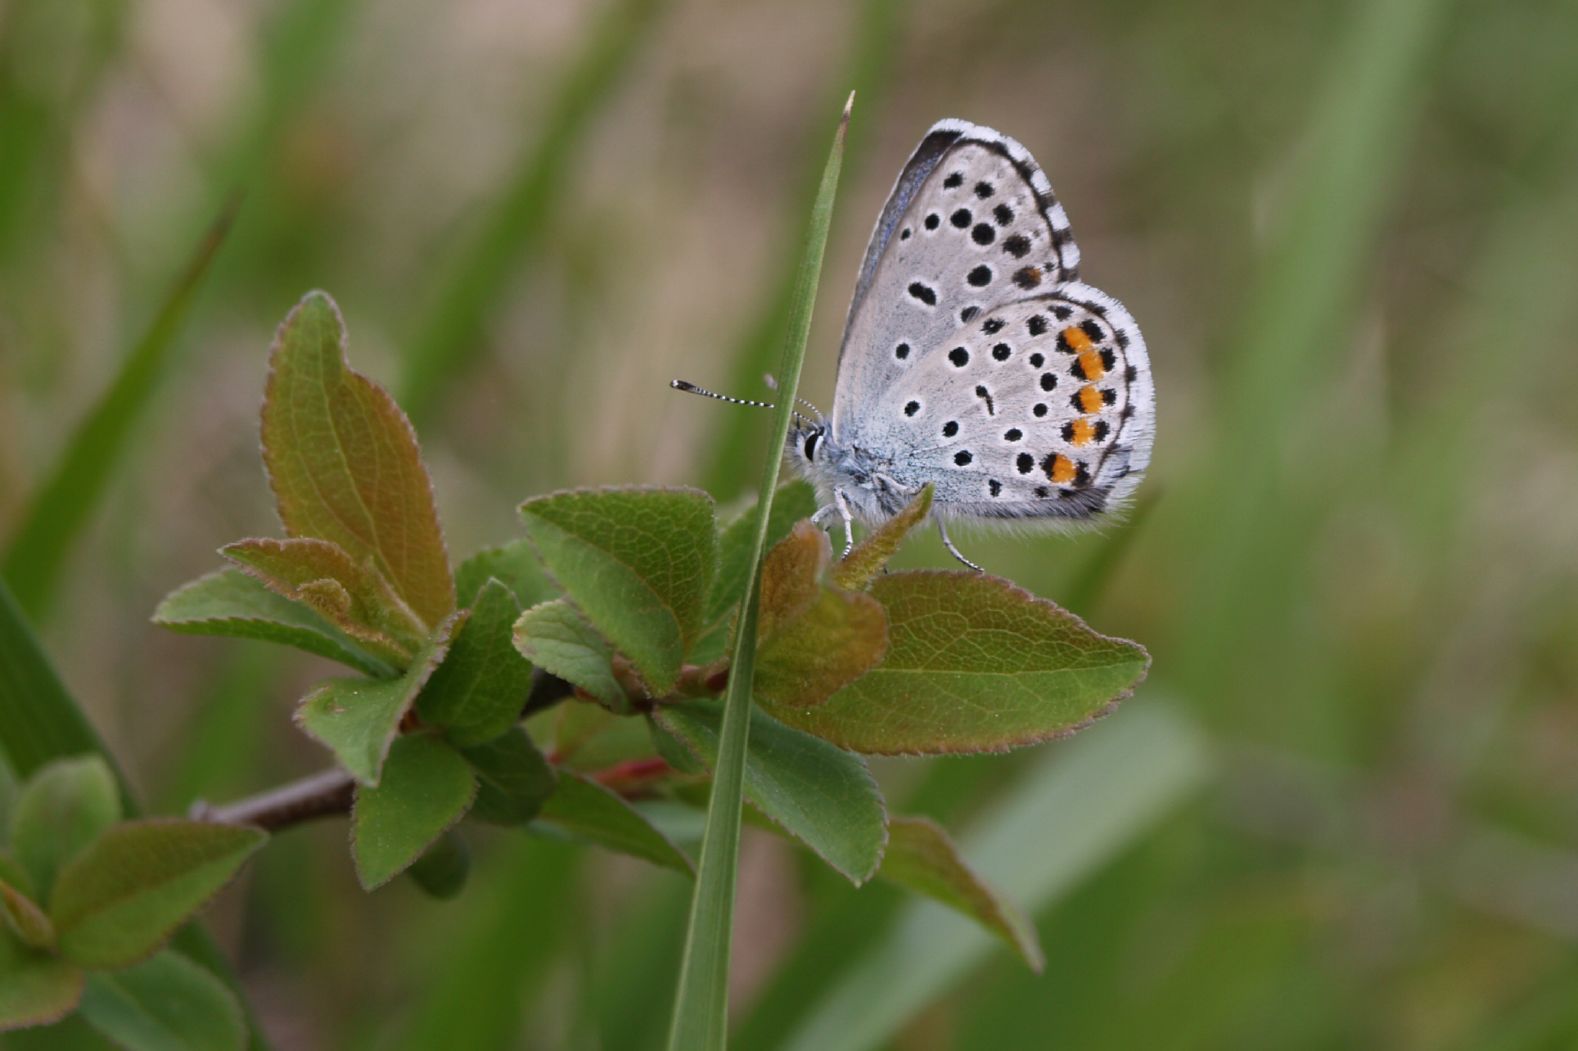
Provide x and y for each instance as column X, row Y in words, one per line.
column 323, row 794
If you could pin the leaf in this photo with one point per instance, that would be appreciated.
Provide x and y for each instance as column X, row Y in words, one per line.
column 583, row 809
column 1078, row 806
column 344, row 463
column 815, row 639
column 636, row 562
column 323, row 576
column 358, row 718
column 921, row 858
column 513, row 779
column 861, row 566
column 35, row 988
column 60, row 810
column 793, row 501
column 821, row 795
column 516, row 564
column 24, row 917
column 117, row 901
column 556, row 638
column 700, row 1019
column 66, row 499
column 974, row 664
column 478, row 690
column 442, row 869
column 426, row 788
column 165, row 1003
column 237, row 605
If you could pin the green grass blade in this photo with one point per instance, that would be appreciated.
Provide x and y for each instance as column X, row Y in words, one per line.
column 63, row 504
column 447, row 341
column 874, row 38
column 1078, row 809
column 701, row 1004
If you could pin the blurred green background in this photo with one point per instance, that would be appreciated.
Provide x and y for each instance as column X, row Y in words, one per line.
column 1348, row 230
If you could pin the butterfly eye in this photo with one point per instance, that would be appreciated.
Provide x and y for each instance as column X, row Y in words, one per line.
column 810, row 444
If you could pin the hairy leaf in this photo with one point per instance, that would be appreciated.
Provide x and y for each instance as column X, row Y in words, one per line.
column 860, row 567
column 555, row 637
column 636, row 562
column 344, row 462
column 516, row 564
column 974, row 664
column 792, row 577
column 235, row 604
column 477, row 692
column 35, row 987
column 117, row 901
column 921, row 858
column 357, row 719
column 822, row 795
column 794, row 501
column 59, row 811
column 426, row 787
column 324, row 576
column 583, row 809
column 513, row 778
column 165, row 1003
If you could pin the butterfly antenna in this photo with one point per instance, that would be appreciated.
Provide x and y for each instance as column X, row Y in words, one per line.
column 691, row 388
column 772, row 384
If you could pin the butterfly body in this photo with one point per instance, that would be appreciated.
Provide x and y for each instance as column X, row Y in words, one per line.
column 975, row 360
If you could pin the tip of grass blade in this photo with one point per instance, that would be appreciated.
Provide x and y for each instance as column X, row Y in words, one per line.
column 849, row 104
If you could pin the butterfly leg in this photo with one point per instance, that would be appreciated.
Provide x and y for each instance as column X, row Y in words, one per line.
column 849, row 521
column 947, row 542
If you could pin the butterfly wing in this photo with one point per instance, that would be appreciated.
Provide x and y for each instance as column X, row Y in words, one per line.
column 971, row 223
column 1042, row 408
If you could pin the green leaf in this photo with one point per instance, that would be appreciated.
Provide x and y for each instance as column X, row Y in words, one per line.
column 60, row 810
column 974, row 664
column 921, row 858
column 24, row 917
column 555, row 637
column 815, row 639
column 516, row 564
column 636, row 562
column 513, row 778
column 1079, row 806
column 861, row 566
column 237, row 605
column 793, row 501
column 443, row 868
column 35, row 988
column 118, row 900
column 700, row 1019
column 165, row 1003
column 582, row 809
column 426, row 788
column 821, row 795
column 344, row 462
column 354, row 596
column 67, row 497
column 357, row 719
column 477, row 692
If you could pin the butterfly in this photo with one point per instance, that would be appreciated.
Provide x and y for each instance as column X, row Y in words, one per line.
column 974, row 359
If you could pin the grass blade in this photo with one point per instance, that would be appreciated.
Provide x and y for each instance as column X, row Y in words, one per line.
column 447, row 340
column 1088, row 800
column 63, row 504
column 701, row 1003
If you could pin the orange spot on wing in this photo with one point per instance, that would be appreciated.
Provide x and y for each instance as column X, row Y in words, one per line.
column 1090, row 363
column 1076, row 339
column 1090, row 399
column 1083, row 431
column 1062, row 470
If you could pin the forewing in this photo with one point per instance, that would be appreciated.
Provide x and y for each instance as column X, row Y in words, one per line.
column 1041, row 408
column 970, row 224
